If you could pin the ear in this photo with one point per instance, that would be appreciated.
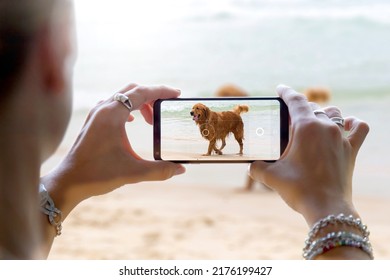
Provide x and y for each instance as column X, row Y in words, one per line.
column 206, row 112
column 52, row 76
column 55, row 52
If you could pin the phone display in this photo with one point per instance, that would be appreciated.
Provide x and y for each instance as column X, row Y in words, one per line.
column 220, row 129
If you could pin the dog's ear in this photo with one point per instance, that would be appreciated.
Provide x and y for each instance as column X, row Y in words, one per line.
column 206, row 112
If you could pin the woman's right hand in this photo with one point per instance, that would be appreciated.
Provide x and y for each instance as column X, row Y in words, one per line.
column 314, row 174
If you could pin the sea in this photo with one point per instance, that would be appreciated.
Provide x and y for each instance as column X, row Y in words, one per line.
column 199, row 45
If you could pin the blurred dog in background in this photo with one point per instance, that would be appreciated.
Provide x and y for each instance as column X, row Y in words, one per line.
column 320, row 95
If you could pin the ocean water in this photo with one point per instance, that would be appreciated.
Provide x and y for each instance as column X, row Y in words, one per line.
column 181, row 137
column 198, row 45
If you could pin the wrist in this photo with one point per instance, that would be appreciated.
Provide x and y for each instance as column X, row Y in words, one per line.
column 336, row 231
column 61, row 191
column 316, row 211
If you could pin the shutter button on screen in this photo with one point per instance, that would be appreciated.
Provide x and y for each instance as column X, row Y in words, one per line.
column 260, row 131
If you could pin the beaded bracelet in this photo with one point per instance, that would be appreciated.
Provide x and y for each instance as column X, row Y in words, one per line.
column 338, row 239
column 333, row 240
column 332, row 219
column 48, row 208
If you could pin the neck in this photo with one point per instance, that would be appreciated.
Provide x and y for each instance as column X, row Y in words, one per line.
column 19, row 178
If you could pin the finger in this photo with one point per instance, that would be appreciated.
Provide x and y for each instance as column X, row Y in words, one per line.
column 123, row 91
column 161, row 170
column 130, row 118
column 318, row 112
column 333, row 112
column 108, row 103
column 92, row 111
column 141, row 95
column 147, row 113
column 358, row 131
column 335, row 116
column 297, row 103
column 314, row 106
column 128, row 88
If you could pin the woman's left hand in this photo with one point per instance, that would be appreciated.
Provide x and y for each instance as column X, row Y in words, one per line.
column 102, row 158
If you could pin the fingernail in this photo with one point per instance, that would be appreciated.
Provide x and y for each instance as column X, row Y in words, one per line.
column 280, row 89
column 180, row 170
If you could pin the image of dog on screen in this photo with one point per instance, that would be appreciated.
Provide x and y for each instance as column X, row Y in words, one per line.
column 215, row 126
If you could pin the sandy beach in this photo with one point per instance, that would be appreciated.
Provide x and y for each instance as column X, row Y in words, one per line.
column 198, row 46
column 165, row 221
column 181, row 136
column 203, row 214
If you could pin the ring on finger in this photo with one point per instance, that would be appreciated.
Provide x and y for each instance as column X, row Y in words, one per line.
column 319, row 112
column 120, row 97
column 339, row 121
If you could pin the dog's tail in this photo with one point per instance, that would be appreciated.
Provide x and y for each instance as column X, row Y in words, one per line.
column 240, row 109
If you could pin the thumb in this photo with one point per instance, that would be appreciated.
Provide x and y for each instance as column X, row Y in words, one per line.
column 161, row 170
column 258, row 170
column 358, row 131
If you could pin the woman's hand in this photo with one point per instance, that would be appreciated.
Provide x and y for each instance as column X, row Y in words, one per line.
column 314, row 175
column 102, row 158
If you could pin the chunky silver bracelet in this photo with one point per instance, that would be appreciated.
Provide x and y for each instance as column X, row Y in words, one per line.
column 332, row 240
column 48, row 208
column 338, row 239
column 332, row 220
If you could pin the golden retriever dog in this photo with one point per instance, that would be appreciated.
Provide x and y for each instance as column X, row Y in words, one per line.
column 215, row 126
column 318, row 95
column 230, row 90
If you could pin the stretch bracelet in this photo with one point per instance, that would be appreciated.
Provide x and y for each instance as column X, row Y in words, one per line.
column 332, row 220
column 48, row 208
column 338, row 239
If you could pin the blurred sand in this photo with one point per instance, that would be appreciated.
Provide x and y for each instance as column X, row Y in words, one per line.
column 204, row 215
column 164, row 221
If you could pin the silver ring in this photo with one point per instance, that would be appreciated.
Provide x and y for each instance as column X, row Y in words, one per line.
column 339, row 121
column 318, row 112
column 120, row 97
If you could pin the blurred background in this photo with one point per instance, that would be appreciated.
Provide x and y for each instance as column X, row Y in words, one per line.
column 198, row 45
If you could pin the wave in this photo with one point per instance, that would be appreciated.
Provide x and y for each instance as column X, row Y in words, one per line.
column 291, row 10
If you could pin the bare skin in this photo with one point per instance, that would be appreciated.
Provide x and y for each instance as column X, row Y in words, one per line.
column 36, row 111
column 314, row 175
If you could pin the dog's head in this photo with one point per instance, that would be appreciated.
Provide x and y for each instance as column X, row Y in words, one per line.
column 200, row 113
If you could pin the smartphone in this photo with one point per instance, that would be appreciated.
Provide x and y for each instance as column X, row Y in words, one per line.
column 220, row 130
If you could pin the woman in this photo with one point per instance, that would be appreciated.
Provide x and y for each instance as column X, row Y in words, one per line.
column 314, row 175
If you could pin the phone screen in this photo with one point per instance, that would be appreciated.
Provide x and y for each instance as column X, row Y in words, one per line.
column 220, row 129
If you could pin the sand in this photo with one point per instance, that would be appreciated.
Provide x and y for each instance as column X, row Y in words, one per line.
column 164, row 221
column 203, row 214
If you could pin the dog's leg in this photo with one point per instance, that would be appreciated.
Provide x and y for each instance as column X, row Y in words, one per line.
column 241, row 146
column 239, row 140
column 239, row 135
column 223, row 144
column 212, row 147
column 219, row 151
